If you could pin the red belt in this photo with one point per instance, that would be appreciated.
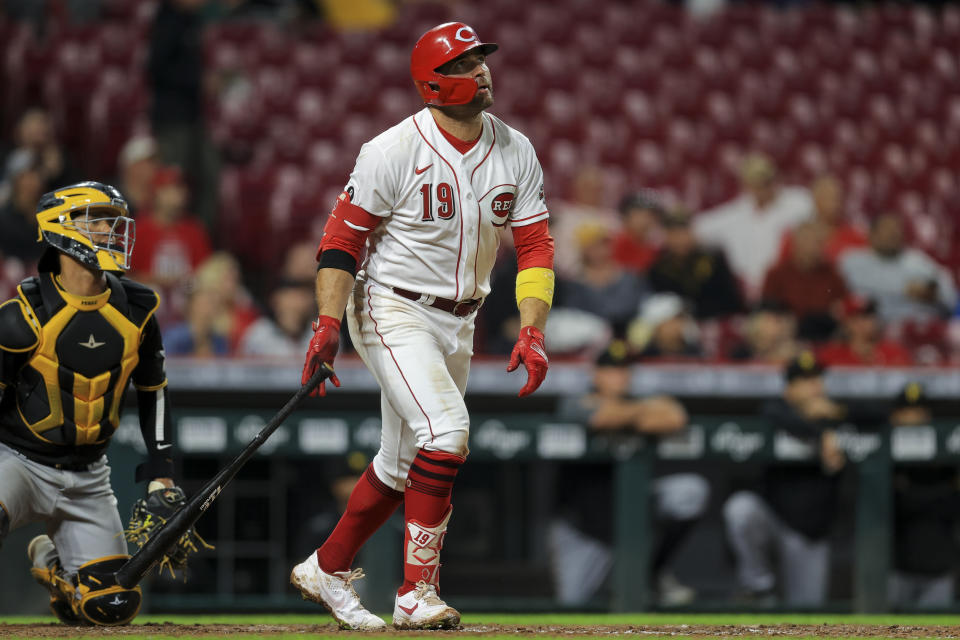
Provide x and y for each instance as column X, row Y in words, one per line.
column 459, row 309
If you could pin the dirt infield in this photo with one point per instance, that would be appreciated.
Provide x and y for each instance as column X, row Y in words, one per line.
column 693, row 630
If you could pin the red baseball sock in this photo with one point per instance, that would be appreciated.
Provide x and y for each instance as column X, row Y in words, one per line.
column 370, row 504
column 427, row 498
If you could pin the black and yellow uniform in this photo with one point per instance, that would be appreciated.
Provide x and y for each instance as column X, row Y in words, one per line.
column 65, row 363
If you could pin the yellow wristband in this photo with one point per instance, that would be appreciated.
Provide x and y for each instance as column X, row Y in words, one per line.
column 535, row 282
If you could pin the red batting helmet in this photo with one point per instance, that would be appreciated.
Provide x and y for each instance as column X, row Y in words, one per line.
column 435, row 48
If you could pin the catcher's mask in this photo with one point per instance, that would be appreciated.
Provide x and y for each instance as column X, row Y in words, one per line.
column 437, row 47
column 89, row 222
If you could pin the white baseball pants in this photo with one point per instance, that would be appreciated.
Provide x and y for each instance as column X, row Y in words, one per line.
column 420, row 357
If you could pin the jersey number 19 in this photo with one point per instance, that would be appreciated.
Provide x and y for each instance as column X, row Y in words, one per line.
column 445, row 207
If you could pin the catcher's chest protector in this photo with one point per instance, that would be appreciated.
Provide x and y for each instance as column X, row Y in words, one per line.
column 70, row 390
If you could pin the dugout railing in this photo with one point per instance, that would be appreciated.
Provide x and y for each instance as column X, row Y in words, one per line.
column 521, row 440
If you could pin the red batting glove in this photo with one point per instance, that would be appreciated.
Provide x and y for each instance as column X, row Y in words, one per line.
column 530, row 350
column 323, row 348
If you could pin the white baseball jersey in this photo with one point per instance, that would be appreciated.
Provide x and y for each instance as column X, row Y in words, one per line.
column 444, row 207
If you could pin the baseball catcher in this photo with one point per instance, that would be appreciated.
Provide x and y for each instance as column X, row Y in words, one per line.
column 70, row 343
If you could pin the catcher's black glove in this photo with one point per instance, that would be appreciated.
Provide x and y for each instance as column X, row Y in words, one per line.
column 150, row 513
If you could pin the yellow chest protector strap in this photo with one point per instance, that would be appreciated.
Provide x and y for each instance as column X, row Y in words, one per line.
column 535, row 282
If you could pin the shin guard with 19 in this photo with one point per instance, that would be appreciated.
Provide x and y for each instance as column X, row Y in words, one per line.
column 422, row 544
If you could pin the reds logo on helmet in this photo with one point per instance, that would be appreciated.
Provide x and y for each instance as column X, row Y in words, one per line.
column 466, row 34
column 437, row 47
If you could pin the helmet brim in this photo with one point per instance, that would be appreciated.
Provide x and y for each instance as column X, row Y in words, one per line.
column 486, row 48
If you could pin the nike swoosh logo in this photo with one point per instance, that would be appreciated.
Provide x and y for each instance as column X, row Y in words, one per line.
column 161, row 447
column 536, row 349
column 419, row 171
column 409, row 611
column 91, row 343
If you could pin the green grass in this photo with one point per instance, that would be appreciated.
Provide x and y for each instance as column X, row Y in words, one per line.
column 545, row 619
column 559, row 618
column 710, row 618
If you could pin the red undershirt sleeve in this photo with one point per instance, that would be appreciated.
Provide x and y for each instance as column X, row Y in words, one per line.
column 534, row 246
column 346, row 230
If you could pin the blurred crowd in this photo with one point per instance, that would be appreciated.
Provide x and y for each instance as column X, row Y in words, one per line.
column 776, row 270
column 756, row 279
column 782, row 266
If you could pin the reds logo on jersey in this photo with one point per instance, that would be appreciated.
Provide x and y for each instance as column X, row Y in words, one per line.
column 502, row 203
column 498, row 203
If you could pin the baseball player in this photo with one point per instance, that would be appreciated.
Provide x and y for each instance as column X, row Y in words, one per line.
column 427, row 198
column 69, row 344
column 794, row 510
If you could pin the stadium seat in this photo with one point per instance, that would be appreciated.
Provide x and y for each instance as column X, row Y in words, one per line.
column 927, row 340
column 116, row 109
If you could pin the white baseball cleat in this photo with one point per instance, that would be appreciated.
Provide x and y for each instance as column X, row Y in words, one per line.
column 422, row 608
column 335, row 592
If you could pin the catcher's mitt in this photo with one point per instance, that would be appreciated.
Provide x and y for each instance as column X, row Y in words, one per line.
column 151, row 513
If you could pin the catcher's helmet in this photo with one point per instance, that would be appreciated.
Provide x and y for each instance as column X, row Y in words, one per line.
column 435, row 48
column 66, row 219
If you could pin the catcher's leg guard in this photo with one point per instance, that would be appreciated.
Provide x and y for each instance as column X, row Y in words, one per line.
column 47, row 572
column 61, row 595
column 99, row 599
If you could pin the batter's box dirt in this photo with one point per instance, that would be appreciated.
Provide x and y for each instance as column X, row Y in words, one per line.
column 565, row 631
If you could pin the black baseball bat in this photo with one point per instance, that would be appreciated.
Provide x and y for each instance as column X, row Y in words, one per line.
column 130, row 574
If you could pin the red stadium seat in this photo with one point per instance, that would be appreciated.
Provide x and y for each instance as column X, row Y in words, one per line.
column 725, row 117
column 116, row 109
column 564, row 115
column 75, row 68
column 312, row 64
column 357, row 47
column 927, row 341
column 593, row 44
column 275, row 87
column 639, row 69
column 120, row 46
column 641, row 114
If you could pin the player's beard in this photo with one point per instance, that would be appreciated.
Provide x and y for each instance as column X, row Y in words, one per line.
column 482, row 99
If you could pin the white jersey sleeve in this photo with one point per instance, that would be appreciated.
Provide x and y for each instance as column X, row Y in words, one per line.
column 372, row 185
column 529, row 205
